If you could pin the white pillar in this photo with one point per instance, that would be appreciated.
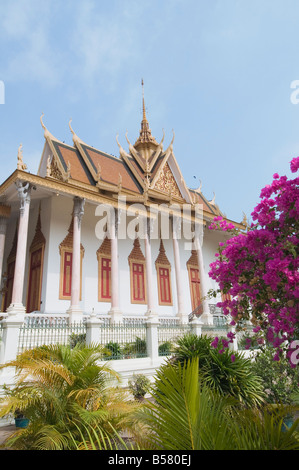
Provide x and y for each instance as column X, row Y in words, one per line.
column 196, row 325
column 151, row 310
column 4, row 215
column 234, row 345
column 115, row 313
column 93, row 329
column 75, row 312
column 152, row 340
column 10, row 340
column 183, row 316
column 16, row 307
column 206, row 316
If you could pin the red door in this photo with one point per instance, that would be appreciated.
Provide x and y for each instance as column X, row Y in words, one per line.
column 35, row 279
column 9, row 285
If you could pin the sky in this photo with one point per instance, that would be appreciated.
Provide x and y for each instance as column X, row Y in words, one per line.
column 217, row 72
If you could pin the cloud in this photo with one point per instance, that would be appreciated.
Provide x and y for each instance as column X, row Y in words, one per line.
column 26, row 49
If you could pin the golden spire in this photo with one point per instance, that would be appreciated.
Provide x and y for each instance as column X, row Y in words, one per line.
column 145, row 136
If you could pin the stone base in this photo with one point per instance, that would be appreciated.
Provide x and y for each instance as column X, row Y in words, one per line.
column 207, row 318
column 75, row 314
column 151, row 315
column 16, row 310
column 183, row 317
column 115, row 315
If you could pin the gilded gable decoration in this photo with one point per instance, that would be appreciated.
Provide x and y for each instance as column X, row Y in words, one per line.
column 167, row 183
column 55, row 171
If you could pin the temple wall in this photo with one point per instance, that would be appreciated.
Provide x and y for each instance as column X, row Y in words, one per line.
column 56, row 214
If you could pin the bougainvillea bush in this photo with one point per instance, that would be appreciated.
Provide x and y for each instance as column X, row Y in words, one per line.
column 257, row 269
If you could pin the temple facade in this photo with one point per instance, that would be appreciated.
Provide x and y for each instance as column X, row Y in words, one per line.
column 117, row 236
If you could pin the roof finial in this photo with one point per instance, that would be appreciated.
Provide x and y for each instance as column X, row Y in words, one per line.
column 145, row 136
column 143, row 103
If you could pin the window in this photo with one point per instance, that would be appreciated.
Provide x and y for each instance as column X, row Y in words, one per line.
column 138, row 288
column 163, row 268
column 66, row 262
column 104, row 271
column 67, row 274
column 194, row 280
column 195, row 287
column 137, row 274
column 105, row 279
column 164, row 287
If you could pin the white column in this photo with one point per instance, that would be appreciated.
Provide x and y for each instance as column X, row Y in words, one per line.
column 93, row 330
column 183, row 316
column 116, row 314
column 75, row 312
column 152, row 340
column 196, row 325
column 4, row 215
column 206, row 316
column 151, row 310
column 16, row 307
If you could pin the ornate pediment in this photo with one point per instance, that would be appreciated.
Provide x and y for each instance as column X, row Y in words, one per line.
column 166, row 183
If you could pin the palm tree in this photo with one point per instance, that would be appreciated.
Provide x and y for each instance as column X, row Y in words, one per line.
column 188, row 415
column 58, row 389
column 228, row 377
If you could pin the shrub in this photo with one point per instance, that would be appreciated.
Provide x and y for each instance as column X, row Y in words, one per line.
column 139, row 385
column 165, row 348
column 280, row 380
column 227, row 373
column 75, row 339
column 112, row 350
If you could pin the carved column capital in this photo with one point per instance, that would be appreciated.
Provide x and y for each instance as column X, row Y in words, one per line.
column 24, row 194
column 79, row 209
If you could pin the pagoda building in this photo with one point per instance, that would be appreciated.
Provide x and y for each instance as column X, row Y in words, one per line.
column 118, row 236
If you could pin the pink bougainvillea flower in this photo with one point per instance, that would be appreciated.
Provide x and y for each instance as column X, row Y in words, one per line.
column 259, row 268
